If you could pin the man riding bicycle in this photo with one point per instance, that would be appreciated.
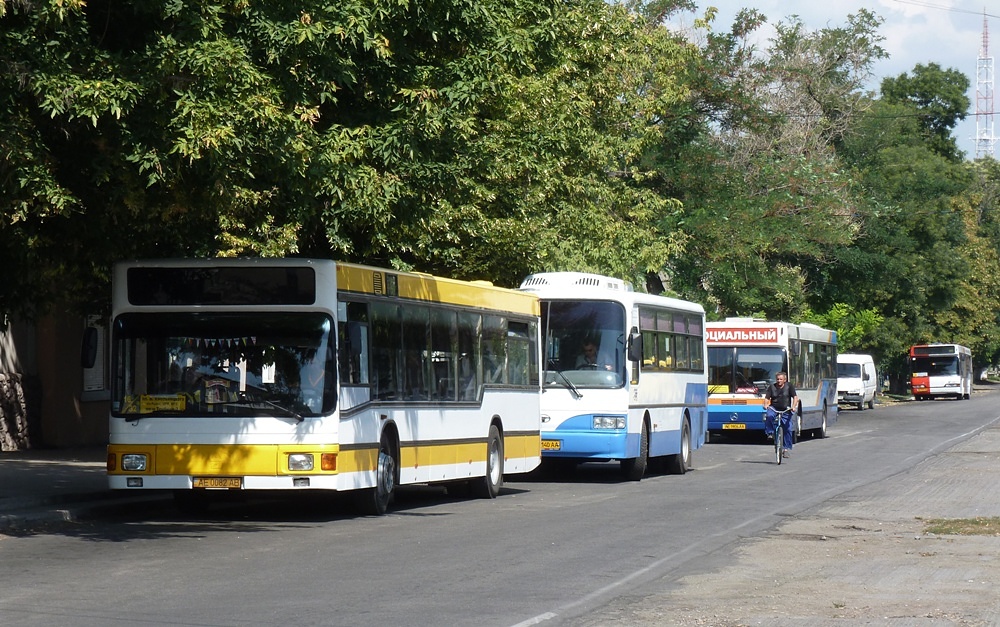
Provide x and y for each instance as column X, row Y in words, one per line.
column 779, row 397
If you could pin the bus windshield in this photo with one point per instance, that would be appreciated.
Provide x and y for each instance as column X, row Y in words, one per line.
column 584, row 343
column 233, row 364
column 935, row 366
column 745, row 370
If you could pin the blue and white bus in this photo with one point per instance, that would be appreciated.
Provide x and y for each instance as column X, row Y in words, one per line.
column 624, row 374
column 744, row 354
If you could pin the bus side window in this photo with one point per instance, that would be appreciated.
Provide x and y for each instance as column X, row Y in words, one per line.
column 666, row 351
column 444, row 354
column 416, row 354
column 681, row 350
column 494, row 349
column 649, row 359
column 468, row 356
column 387, row 347
column 352, row 337
column 519, row 351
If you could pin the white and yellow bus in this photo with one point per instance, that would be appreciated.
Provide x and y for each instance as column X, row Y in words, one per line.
column 297, row 374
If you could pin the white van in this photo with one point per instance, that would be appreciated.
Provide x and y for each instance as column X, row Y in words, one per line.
column 856, row 380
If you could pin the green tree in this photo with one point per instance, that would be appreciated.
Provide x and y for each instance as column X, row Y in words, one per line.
column 919, row 258
column 476, row 138
column 765, row 196
column 940, row 97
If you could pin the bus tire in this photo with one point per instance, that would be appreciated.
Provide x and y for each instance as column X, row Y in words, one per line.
column 375, row 501
column 634, row 468
column 488, row 487
column 820, row 433
column 678, row 464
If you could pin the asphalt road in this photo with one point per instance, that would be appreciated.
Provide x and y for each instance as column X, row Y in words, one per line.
column 549, row 550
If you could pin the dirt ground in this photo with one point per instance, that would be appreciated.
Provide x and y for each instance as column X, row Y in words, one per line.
column 864, row 558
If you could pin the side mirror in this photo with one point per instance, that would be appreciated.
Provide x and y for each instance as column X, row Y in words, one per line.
column 88, row 350
column 635, row 345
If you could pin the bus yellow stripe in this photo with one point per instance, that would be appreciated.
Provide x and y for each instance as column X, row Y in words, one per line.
column 441, row 453
column 209, row 460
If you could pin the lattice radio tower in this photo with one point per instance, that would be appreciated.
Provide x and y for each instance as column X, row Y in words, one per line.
column 985, row 139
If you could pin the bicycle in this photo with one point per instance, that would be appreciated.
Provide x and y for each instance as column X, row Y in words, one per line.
column 780, row 417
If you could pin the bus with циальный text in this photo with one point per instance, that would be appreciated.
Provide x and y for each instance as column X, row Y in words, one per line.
column 745, row 354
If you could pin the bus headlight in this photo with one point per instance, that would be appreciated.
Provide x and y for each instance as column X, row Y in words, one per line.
column 133, row 462
column 609, row 422
column 300, row 461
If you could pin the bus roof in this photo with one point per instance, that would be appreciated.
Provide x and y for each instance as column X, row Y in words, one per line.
column 756, row 331
column 922, row 350
column 362, row 279
column 349, row 277
column 584, row 285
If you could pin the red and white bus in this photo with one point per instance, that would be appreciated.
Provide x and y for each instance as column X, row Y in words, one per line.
column 940, row 370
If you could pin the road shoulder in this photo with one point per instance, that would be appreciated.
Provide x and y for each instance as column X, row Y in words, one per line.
column 862, row 558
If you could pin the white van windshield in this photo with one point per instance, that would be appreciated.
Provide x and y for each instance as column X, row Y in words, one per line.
column 849, row 371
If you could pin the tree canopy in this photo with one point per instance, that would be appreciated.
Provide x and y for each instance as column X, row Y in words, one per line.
column 487, row 140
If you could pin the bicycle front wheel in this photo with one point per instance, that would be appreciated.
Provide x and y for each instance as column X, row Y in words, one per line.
column 779, row 441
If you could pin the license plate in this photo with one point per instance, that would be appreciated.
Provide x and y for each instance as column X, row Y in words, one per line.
column 217, row 482
column 551, row 445
column 734, row 425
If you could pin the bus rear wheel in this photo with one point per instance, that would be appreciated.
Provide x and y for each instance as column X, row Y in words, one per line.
column 678, row 464
column 822, row 430
column 488, row 487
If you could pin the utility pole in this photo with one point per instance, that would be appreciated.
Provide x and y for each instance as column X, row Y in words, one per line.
column 985, row 139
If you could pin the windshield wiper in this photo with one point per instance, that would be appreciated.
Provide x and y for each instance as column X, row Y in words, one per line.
column 151, row 414
column 569, row 384
column 749, row 383
column 246, row 401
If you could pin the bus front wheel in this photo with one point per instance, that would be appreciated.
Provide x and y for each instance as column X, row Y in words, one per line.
column 375, row 501
column 634, row 468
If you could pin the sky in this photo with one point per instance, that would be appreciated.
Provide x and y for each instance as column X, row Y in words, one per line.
column 946, row 32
